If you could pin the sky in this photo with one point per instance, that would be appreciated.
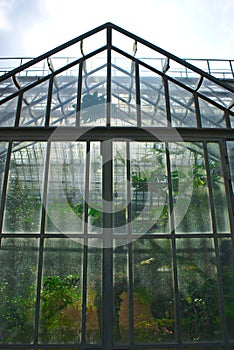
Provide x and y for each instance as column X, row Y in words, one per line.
column 186, row 28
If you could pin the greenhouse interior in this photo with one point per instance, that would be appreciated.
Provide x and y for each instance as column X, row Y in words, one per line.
column 116, row 214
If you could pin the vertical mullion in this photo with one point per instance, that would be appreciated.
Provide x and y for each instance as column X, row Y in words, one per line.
column 214, row 226
column 197, row 110
column 138, row 94
column 49, row 99
column 227, row 119
column 85, row 254
column 79, row 92
column 173, row 238
column 108, row 89
column 107, row 193
column 130, row 255
column 18, row 110
column 166, row 89
column 41, row 248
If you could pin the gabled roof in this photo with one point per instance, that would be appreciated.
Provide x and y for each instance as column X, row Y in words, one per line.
column 145, row 85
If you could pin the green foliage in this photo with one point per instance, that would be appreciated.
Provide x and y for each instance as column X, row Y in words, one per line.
column 58, row 293
column 22, row 208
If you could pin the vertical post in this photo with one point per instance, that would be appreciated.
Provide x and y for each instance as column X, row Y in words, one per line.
column 107, row 192
column 108, row 88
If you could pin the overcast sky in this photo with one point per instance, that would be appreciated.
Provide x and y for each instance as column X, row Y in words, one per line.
column 186, row 28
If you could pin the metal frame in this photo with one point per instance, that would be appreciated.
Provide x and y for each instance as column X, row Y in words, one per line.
column 218, row 133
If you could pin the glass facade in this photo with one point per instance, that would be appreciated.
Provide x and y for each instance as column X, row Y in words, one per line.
column 116, row 209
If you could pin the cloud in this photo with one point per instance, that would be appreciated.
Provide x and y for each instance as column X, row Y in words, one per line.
column 5, row 7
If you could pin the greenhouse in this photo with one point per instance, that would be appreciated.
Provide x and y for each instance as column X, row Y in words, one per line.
column 116, row 213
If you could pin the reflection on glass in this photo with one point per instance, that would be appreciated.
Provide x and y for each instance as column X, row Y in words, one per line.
column 61, row 294
column 124, row 108
column 64, row 98
column 94, row 304
column 154, row 319
column 230, row 149
column 182, row 107
column 95, row 219
column 23, row 199
column 3, row 155
column 34, row 106
column 120, row 188
column 120, row 295
column 153, row 103
column 227, row 269
column 18, row 275
column 148, row 187
column 218, row 189
column 211, row 116
column 66, row 184
column 190, row 188
column 198, row 292
column 8, row 112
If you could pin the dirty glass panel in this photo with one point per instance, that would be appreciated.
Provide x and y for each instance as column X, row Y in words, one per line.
column 18, row 276
column 227, row 269
column 198, row 292
column 120, row 293
column 23, row 198
column 124, row 109
column 95, row 220
column 8, row 112
column 230, row 150
column 218, row 189
column 190, row 188
column 3, row 155
column 66, row 184
column 94, row 305
column 211, row 116
column 34, row 106
column 153, row 103
column 154, row 319
column 182, row 107
column 93, row 99
column 149, row 199
column 64, row 98
column 61, row 293
column 121, row 197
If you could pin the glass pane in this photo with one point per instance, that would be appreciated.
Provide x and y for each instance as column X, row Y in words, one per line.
column 154, row 319
column 218, row 189
column 121, row 295
column 190, row 189
column 64, row 98
column 153, row 103
column 95, row 221
column 182, row 107
column 34, row 106
column 199, row 300
column 211, row 116
column 94, row 305
column 93, row 99
column 23, row 199
column 230, row 150
column 149, row 187
column 123, row 92
column 66, row 184
column 18, row 276
column 227, row 269
column 8, row 112
column 121, row 197
column 3, row 155
column 61, row 294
